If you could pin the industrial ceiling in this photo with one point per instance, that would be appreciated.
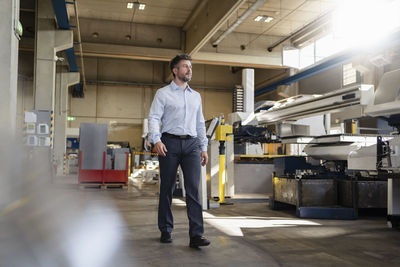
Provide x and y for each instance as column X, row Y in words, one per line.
column 167, row 27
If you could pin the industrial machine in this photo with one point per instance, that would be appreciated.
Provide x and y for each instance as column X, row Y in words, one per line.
column 248, row 138
column 382, row 160
column 342, row 172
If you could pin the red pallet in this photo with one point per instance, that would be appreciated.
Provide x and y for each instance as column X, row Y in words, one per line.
column 103, row 176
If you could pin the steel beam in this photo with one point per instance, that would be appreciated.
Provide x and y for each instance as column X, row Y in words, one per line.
column 163, row 54
column 208, row 21
column 128, row 52
column 266, row 62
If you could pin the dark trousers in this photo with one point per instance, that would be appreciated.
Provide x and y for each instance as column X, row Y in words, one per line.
column 184, row 152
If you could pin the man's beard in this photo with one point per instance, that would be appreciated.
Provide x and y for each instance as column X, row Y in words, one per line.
column 185, row 78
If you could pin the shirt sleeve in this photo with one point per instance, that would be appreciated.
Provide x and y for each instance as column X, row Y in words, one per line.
column 201, row 128
column 155, row 115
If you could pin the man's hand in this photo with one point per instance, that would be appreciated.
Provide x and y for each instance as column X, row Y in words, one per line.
column 160, row 148
column 204, row 158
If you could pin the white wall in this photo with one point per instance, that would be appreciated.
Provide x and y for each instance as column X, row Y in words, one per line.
column 121, row 91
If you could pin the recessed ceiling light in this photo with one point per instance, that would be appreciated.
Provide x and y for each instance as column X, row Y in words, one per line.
column 264, row 18
column 136, row 5
column 268, row 19
column 258, row 18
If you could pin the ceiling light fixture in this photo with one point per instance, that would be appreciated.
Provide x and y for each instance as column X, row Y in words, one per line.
column 264, row 18
column 136, row 5
column 268, row 19
column 258, row 18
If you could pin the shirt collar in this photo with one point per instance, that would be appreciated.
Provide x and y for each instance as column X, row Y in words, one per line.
column 176, row 87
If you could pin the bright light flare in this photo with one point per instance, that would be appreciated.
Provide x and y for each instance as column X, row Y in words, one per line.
column 94, row 238
column 233, row 225
column 365, row 22
column 178, row 202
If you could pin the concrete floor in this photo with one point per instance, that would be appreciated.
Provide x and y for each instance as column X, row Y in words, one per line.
column 65, row 226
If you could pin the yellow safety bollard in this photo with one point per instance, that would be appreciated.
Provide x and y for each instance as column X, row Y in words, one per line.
column 222, row 179
column 129, row 164
column 221, row 135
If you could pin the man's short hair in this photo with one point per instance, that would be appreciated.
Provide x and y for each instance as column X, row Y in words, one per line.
column 175, row 61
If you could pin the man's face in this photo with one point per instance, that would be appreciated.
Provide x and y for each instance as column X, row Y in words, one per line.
column 184, row 71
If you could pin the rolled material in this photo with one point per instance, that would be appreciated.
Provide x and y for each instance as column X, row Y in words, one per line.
column 331, row 152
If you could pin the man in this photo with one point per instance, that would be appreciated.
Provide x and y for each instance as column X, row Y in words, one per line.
column 182, row 141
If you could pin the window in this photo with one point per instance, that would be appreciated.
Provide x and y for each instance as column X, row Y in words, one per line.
column 291, row 57
column 316, row 51
column 307, row 56
column 324, row 47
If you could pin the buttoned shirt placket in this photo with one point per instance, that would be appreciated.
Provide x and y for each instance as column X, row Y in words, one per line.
column 184, row 114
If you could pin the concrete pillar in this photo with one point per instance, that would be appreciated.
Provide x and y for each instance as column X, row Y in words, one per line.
column 48, row 42
column 9, row 16
column 247, row 116
column 64, row 80
column 248, row 86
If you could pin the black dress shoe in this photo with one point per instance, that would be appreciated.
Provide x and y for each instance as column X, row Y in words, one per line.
column 198, row 241
column 165, row 237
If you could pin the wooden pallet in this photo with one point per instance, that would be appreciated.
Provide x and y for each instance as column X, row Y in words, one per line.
column 103, row 186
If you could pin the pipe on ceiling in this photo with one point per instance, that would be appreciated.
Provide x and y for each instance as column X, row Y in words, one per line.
column 308, row 29
column 312, row 35
column 239, row 21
